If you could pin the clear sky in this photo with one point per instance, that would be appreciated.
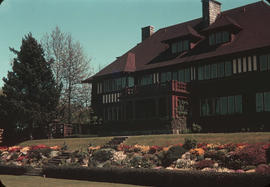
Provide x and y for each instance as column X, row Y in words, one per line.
column 105, row 28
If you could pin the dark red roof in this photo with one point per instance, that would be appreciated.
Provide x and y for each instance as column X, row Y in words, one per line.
column 222, row 22
column 152, row 53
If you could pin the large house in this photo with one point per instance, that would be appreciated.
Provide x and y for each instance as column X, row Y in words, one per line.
column 212, row 71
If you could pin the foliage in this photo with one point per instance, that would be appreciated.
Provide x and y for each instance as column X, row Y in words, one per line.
column 173, row 154
column 196, row 128
column 190, row 143
column 204, row 164
column 30, row 92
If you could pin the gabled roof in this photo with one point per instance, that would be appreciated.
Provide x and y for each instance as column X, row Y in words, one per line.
column 185, row 31
column 223, row 21
column 153, row 53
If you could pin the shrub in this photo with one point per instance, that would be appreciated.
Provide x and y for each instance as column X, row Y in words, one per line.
column 190, row 143
column 215, row 155
column 252, row 155
column 204, row 164
column 103, row 155
column 173, row 154
column 196, row 128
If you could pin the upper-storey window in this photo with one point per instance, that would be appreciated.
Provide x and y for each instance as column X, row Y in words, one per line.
column 130, row 81
column 264, row 62
column 146, row 79
column 219, row 37
column 213, row 71
column 166, row 76
column 111, row 85
column 180, row 46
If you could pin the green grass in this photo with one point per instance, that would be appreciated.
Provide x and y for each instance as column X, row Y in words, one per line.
column 30, row 181
column 223, row 138
column 72, row 143
column 160, row 140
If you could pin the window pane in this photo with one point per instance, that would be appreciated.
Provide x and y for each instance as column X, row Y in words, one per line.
column 212, row 39
column 181, row 75
column 218, row 37
column 169, row 76
column 130, row 81
column 231, row 105
column 214, row 71
column 174, row 48
column 163, row 77
column 238, row 104
column 123, row 82
column 201, row 73
column 259, row 102
column 263, row 63
column 267, row 101
column 228, row 68
column 217, row 104
column 224, row 106
column 226, row 37
column 174, row 76
column 207, row 72
column 185, row 45
column 221, row 70
column 187, row 75
column 179, row 46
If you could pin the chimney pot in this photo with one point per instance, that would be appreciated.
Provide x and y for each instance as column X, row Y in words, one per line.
column 147, row 32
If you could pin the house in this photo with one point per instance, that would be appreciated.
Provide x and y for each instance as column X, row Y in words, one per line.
column 216, row 68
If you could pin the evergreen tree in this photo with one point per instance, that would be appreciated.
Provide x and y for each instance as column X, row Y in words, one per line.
column 30, row 94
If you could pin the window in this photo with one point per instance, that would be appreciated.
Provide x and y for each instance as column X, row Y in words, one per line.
column 263, row 102
column 231, row 105
column 187, row 75
column 238, row 104
column 264, row 63
column 228, row 68
column 146, row 79
column 222, row 105
column 214, row 71
column 130, row 81
column 226, row 36
column 201, row 73
column 212, row 39
column 174, row 76
column 166, row 76
column 220, row 69
column 179, row 46
column 181, row 75
column 207, row 71
column 219, row 37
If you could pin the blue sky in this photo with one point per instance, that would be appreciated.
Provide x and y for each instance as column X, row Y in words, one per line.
column 105, row 28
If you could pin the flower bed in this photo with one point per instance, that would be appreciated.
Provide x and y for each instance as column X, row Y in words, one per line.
column 230, row 158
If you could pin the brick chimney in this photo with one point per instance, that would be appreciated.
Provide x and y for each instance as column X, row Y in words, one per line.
column 210, row 9
column 147, row 32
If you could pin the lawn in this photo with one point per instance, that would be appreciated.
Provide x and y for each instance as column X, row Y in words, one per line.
column 30, row 181
column 160, row 140
column 72, row 143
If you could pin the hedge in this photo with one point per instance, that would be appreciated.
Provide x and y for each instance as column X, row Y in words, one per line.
column 150, row 177
column 12, row 170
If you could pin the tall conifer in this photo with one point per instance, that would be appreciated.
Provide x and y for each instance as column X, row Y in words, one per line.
column 30, row 92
